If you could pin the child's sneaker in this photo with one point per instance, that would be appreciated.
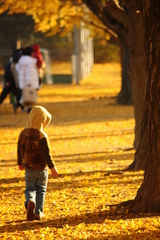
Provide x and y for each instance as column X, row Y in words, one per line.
column 39, row 217
column 30, row 211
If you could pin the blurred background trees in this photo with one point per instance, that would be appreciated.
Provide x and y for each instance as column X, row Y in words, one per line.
column 20, row 29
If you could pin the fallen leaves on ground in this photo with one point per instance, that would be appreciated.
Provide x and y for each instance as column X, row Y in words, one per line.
column 92, row 142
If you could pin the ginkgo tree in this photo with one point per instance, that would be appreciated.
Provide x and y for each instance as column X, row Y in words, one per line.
column 48, row 15
column 51, row 17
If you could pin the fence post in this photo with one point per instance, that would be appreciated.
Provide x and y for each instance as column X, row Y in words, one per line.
column 82, row 59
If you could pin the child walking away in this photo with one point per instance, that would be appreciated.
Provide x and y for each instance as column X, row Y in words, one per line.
column 33, row 155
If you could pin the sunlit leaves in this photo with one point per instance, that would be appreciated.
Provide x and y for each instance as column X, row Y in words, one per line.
column 45, row 13
column 53, row 30
column 49, row 14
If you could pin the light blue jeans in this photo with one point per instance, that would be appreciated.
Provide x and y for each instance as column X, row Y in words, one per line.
column 36, row 186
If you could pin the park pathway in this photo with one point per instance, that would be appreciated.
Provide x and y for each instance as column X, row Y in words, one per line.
column 91, row 138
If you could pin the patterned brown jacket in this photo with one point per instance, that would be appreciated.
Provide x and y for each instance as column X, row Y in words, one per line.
column 33, row 151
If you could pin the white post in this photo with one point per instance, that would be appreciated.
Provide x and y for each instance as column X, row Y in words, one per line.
column 82, row 59
column 77, row 64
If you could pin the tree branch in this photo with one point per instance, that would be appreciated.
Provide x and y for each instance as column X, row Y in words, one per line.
column 101, row 27
column 116, row 11
column 104, row 14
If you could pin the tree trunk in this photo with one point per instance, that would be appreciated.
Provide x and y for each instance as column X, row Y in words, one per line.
column 125, row 95
column 127, row 23
column 138, row 80
column 148, row 196
column 137, row 66
column 139, row 162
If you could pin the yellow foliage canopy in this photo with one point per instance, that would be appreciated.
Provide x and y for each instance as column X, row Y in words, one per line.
column 50, row 17
column 46, row 14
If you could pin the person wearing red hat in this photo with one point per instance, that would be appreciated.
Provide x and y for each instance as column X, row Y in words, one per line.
column 40, row 61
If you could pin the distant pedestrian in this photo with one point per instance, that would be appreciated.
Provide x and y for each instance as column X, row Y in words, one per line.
column 11, row 84
column 40, row 62
column 27, row 72
column 34, row 155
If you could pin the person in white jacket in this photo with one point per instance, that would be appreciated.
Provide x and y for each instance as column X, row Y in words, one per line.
column 27, row 70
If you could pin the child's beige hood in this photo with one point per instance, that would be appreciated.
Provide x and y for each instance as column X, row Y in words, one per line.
column 39, row 118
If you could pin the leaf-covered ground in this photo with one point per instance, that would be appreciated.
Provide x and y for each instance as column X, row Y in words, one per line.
column 92, row 142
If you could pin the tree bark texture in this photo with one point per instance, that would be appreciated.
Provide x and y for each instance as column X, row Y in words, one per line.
column 148, row 195
column 125, row 95
column 137, row 66
column 138, row 80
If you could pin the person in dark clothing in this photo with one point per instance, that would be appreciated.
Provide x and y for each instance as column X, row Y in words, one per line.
column 10, row 85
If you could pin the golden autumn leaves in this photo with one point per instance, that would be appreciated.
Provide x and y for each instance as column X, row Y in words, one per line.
column 48, row 15
column 52, row 17
column 88, row 134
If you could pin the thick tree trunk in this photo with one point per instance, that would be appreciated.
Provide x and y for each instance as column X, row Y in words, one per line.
column 139, row 162
column 127, row 23
column 137, row 66
column 138, row 80
column 148, row 196
column 125, row 95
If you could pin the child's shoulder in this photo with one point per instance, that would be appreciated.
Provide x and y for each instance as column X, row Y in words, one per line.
column 29, row 131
